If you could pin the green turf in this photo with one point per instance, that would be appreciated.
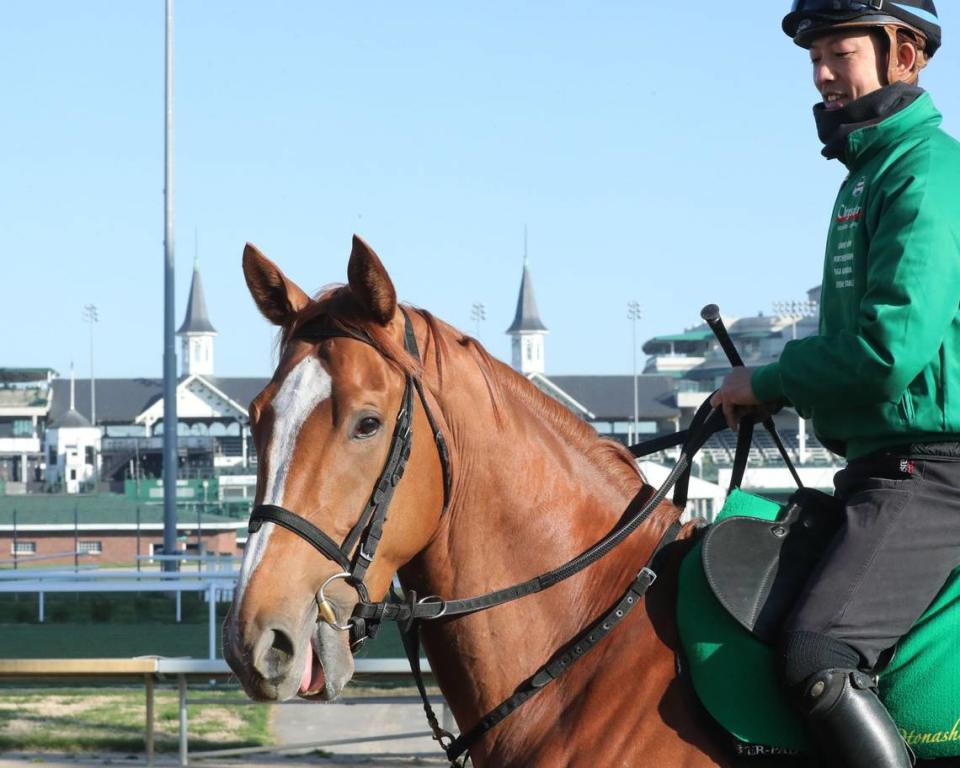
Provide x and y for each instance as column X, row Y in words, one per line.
column 112, row 719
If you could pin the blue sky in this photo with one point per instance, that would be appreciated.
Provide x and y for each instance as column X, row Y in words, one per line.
column 663, row 153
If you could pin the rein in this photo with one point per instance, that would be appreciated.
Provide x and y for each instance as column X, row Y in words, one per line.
column 410, row 612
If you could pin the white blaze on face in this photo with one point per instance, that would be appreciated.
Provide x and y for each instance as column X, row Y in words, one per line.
column 305, row 387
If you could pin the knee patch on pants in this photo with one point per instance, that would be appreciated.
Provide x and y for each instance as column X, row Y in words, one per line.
column 803, row 654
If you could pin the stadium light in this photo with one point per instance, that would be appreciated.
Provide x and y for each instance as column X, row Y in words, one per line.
column 478, row 313
column 794, row 311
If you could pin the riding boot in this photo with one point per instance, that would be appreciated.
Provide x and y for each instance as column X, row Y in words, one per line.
column 849, row 723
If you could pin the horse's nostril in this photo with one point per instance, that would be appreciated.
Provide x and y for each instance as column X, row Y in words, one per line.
column 274, row 654
column 282, row 643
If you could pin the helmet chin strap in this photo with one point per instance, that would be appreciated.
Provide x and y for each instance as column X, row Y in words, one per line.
column 893, row 55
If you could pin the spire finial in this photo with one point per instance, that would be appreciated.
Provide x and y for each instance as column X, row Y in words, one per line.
column 196, row 249
column 526, row 258
column 72, row 387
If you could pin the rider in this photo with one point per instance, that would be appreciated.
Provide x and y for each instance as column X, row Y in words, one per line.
column 881, row 378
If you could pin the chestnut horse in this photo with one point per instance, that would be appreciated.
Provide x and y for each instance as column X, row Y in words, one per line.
column 531, row 487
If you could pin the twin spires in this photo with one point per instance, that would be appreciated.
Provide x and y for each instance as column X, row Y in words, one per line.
column 72, row 419
column 197, row 331
column 527, row 329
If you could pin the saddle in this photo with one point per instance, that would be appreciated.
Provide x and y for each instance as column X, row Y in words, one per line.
column 736, row 587
column 756, row 567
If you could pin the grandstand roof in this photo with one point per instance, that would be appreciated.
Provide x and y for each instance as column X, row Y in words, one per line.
column 610, row 398
column 120, row 401
column 691, row 341
column 696, row 334
column 25, row 375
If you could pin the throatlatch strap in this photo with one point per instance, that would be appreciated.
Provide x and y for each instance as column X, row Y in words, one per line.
column 410, row 343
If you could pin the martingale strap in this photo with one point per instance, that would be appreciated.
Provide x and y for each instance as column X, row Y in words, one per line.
column 563, row 660
column 410, row 613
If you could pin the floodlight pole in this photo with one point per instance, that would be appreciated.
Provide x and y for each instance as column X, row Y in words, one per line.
column 169, row 339
column 634, row 314
column 91, row 316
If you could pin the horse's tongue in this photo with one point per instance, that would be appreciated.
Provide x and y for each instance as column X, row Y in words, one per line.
column 313, row 678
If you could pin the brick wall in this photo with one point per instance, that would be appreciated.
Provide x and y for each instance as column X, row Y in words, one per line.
column 115, row 547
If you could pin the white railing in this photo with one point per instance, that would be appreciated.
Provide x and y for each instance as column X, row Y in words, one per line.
column 216, row 585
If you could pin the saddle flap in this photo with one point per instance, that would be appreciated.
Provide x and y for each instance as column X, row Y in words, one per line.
column 756, row 568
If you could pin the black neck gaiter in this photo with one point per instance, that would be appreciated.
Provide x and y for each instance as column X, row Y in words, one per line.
column 834, row 126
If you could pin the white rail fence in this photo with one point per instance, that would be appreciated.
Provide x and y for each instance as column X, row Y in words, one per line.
column 216, row 582
column 217, row 586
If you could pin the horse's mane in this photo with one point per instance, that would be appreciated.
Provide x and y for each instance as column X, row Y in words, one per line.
column 337, row 308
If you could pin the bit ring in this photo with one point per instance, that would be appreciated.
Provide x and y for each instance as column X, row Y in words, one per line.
column 325, row 610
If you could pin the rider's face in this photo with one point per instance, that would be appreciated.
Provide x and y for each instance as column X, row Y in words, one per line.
column 845, row 67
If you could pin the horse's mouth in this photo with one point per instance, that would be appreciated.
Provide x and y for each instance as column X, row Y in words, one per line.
column 312, row 662
column 313, row 683
column 327, row 665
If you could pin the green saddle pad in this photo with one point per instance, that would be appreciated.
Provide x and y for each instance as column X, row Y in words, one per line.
column 733, row 672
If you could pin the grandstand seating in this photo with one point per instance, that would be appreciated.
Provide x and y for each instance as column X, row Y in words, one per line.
column 722, row 447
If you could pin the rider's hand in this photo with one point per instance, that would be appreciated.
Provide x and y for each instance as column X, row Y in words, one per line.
column 736, row 397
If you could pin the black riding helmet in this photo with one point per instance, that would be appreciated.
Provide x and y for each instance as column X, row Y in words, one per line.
column 809, row 18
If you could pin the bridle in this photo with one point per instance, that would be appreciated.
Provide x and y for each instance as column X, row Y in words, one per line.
column 365, row 535
column 410, row 612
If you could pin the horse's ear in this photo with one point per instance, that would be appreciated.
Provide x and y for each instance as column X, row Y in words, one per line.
column 370, row 283
column 278, row 298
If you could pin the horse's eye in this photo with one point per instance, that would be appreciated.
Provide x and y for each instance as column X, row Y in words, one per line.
column 368, row 426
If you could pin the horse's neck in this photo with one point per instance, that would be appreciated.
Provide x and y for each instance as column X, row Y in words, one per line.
column 526, row 500
column 528, row 494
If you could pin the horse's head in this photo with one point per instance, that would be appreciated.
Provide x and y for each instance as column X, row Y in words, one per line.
column 324, row 429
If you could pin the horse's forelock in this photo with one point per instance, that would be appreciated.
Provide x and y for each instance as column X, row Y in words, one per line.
column 336, row 308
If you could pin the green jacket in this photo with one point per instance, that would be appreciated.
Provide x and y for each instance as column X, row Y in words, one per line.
column 884, row 368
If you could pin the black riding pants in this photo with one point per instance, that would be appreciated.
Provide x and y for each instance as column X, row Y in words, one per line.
column 899, row 541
